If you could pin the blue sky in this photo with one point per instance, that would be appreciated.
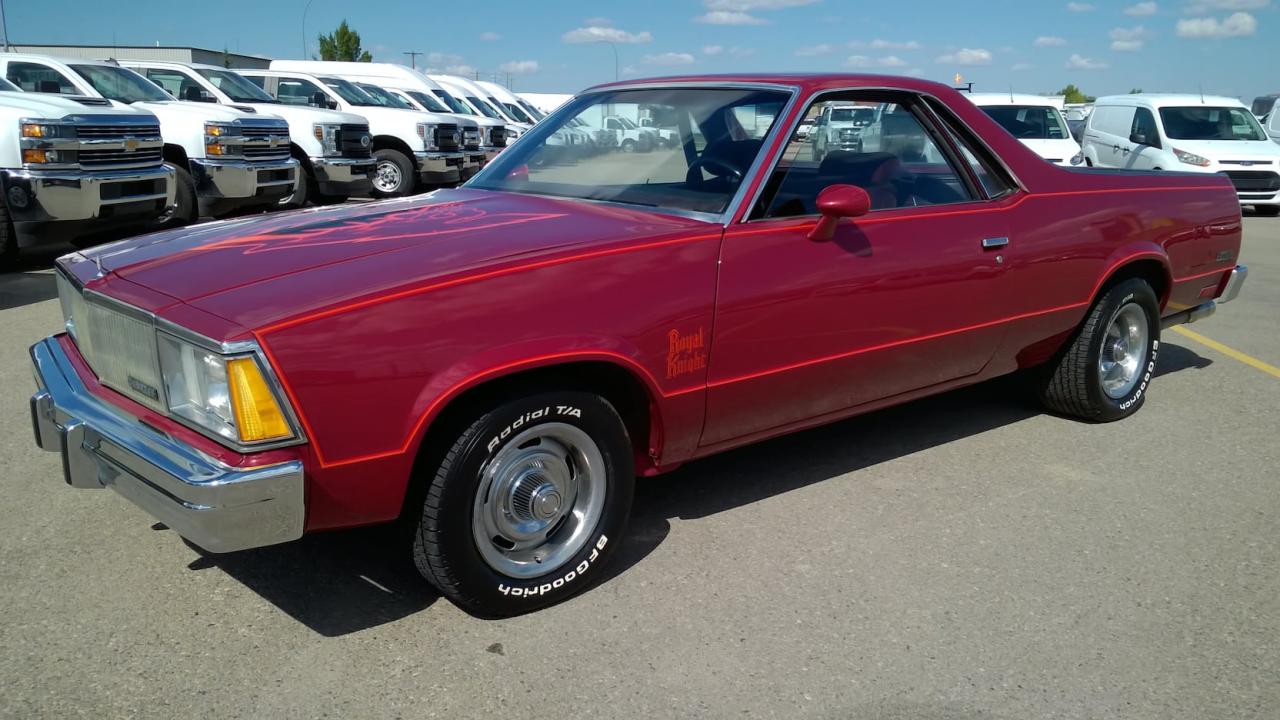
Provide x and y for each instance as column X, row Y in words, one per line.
column 1225, row 46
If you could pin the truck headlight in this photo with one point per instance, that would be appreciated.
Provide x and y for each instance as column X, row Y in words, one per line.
column 222, row 139
column 327, row 134
column 427, row 132
column 1191, row 158
column 46, row 129
column 228, row 396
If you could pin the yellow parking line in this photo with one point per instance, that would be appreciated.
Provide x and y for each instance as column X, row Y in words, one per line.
column 1229, row 352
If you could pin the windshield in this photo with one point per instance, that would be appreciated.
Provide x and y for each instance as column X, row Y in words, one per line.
column 453, row 103
column 720, row 133
column 349, row 92
column 483, row 107
column 861, row 115
column 516, row 112
column 1210, row 123
column 383, row 97
column 1029, row 122
column 115, row 83
column 427, row 101
column 533, row 111
column 235, row 86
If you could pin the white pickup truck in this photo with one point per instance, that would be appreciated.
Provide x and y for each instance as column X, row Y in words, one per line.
column 410, row 148
column 225, row 159
column 72, row 168
column 334, row 149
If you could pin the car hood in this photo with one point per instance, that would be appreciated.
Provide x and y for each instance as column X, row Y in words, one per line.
column 1053, row 149
column 195, row 110
column 255, row 271
column 1264, row 150
column 54, row 107
column 305, row 113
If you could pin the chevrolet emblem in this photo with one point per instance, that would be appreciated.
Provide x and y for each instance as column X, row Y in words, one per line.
column 130, row 144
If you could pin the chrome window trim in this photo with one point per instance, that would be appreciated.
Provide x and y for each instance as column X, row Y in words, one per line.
column 873, row 88
column 228, row 350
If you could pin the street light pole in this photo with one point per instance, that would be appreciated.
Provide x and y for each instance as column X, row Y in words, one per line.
column 413, row 58
column 304, row 28
column 4, row 27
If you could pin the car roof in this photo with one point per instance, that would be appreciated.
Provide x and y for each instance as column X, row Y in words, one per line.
column 806, row 82
column 1169, row 99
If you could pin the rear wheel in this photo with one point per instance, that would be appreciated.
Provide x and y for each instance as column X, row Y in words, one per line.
column 1102, row 375
column 392, row 174
column 527, row 504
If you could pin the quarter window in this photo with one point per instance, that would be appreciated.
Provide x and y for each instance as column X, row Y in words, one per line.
column 875, row 140
column 1144, row 124
column 33, row 77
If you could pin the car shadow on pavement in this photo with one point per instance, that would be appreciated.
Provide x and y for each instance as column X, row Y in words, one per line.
column 26, row 285
column 345, row 581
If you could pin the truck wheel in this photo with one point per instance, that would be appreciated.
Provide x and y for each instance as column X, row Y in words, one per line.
column 1103, row 373
column 303, row 191
column 185, row 210
column 8, row 241
column 527, row 505
column 628, row 146
column 393, row 173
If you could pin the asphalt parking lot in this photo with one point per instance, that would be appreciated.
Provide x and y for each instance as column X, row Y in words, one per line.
column 966, row 556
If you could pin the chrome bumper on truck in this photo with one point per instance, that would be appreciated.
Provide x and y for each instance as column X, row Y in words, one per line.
column 342, row 176
column 1230, row 291
column 219, row 507
column 223, row 185
column 79, row 202
column 439, row 168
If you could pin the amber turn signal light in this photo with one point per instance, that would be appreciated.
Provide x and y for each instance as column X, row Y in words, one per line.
column 258, row 415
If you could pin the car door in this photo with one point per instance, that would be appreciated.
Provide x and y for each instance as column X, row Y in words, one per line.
column 900, row 299
column 1145, row 138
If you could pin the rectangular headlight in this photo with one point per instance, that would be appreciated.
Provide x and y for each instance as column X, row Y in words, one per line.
column 229, row 397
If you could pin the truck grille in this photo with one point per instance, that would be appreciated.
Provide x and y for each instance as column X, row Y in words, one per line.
column 265, row 142
column 115, row 131
column 447, row 137
column 471, row 139
column 121, row 158
column 124, row 143
column 119, row 346
column 349, row 141
column 1254, row 180
column 498, row 136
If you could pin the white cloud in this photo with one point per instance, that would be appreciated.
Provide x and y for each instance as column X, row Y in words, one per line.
column 1079, row 62
column 601, row 33
column 519, row 67
column 1049, row 41
column 1128, row 39
column 729, row 17
column 462, row 70
column 1200, row 7
column 1080, row 7
column 812, row 50
column 863, row 61
column 1142, row 9
column 1235, row 25
column 966, row 56
column 490, row 36
column 670, row 58
column 879, row 44
column 712, row 49
column 741, row 52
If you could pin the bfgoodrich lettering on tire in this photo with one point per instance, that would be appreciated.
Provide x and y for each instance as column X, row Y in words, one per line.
column 1104, row 372
column 527, row 505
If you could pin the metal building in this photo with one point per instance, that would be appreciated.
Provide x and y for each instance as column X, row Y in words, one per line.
column 149, row 52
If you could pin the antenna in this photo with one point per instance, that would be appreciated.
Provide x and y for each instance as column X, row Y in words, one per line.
column 1010, row 92
column 413, row 58
column 1202, row 94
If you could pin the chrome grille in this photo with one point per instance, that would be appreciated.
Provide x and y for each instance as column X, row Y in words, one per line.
column 115, row 131
column 116, row 158
column 118, row 345
column 265, row 141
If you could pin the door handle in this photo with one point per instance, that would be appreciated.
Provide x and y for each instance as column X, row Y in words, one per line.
column 993, row 243
column 1115, row 148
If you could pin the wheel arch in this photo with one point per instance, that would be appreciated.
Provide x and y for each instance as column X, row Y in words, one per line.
column 391, row 142
column 616, row 378
column 1149, row 264
column 177, row 155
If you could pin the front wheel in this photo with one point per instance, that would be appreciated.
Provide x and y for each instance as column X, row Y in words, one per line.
column 1102, row 375
column 393, row 174
column 303, row 192
column 528, row 503
column 185, row 210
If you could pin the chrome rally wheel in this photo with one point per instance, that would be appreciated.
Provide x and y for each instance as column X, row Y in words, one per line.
column 1124, row 348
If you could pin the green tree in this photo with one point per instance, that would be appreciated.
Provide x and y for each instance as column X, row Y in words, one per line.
column 1073, row 95
column 343, row 44
column 1136, row 91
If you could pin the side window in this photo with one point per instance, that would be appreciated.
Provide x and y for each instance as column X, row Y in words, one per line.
column 34, row 77
column 874, row 140
column 1144, row 125
column 297, row 92
column 259, row 81
column 995, row 181
column 179, row 85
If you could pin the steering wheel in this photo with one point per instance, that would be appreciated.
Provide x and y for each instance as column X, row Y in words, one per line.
column 712, row 164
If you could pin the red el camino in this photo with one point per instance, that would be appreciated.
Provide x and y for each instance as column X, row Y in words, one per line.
column 494, row 365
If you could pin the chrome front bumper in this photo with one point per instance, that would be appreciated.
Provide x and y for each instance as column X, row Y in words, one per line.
column 219, row 507
column 242, row 179
column 440, row 167
column 342, row 176
column 38, row 198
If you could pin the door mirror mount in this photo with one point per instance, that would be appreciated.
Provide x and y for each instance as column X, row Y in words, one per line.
column 1139, row 138
column 836, row 202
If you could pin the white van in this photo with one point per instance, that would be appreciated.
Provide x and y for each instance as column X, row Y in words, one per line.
column 1189, row 133
column 1272, row 120
column 1036, row 121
